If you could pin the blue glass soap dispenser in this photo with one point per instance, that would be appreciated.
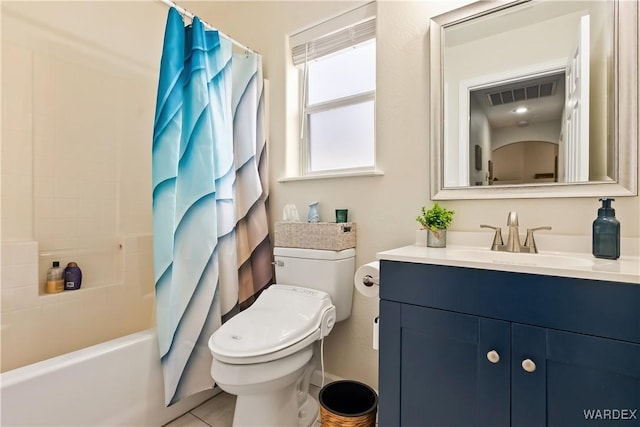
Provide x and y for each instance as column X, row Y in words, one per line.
column 606, row 232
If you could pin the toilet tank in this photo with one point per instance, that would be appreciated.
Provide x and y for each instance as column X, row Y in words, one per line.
column 328, row 271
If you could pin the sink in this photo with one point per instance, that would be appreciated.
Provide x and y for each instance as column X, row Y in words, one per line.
column 539, row 260
column 572, row 263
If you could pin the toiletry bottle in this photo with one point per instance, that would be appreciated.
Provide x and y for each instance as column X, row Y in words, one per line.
column 72, row 277
column 313, row 215
column 55, row 281
column 606, row 232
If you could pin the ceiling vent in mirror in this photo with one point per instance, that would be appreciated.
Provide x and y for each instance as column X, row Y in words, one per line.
column 522, row 93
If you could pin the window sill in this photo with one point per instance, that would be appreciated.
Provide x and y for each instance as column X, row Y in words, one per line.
column 375, row 172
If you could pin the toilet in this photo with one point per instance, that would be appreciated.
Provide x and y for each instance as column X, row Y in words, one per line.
column 266, row 354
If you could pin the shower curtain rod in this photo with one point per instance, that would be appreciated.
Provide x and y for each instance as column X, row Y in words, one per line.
column 190, row 15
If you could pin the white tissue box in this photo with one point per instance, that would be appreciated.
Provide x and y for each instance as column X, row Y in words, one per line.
column 316, row 235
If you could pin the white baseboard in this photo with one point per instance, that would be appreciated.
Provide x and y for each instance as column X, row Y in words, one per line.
column 316, row 378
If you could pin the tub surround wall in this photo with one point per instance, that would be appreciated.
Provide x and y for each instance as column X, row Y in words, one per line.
column 77, row 117
column 77, row 121
column 19, row 262
column 38, row 326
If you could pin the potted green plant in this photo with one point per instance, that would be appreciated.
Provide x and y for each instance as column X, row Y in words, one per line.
column 435, row 221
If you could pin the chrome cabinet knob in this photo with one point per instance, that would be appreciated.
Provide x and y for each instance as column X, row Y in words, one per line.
column 528, row 365
column 493, row 356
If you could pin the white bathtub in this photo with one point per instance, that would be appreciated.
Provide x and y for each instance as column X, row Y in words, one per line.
column 116, row 383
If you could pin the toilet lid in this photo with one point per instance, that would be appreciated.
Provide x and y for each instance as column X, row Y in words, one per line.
column 280, row 317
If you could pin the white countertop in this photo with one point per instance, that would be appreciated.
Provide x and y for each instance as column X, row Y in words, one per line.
column 564, row 264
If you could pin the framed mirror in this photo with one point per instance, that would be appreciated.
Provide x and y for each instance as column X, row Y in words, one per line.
column 533, row 99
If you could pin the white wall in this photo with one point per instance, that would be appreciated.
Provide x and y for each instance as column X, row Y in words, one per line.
column 384, row 207
column 548, row 131
column 519, row 162
column 481, row 134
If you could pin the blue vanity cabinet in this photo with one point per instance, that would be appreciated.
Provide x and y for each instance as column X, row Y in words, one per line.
column 470, row 347
column 579, row 380
column 439, row 373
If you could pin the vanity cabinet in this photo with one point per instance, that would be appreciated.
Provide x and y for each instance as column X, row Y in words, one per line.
column 471, row 347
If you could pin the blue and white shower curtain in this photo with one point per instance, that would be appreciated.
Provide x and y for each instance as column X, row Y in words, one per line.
column 211, row 244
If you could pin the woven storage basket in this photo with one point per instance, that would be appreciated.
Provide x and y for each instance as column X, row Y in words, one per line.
column 315, row 235
column 348, row 404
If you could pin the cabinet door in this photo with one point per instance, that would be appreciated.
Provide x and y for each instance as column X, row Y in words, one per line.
column 528, row 387
column 579, row 380
column 435, row 369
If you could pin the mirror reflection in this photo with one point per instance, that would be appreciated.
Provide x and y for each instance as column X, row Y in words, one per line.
column 526, row 96
column 516, row 130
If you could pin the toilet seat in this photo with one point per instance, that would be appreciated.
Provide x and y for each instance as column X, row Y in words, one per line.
column 283, row 320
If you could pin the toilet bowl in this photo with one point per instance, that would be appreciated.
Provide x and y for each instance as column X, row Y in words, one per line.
column 264, row 356
column 269, row 393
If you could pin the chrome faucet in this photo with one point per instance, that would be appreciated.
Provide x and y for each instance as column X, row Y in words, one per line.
column 513, row 238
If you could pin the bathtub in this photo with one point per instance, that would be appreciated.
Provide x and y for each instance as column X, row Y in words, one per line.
column 116, row 383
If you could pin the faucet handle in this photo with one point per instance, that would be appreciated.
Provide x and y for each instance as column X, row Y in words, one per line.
column 530, row 241
column 512, row 219
column 497, row 238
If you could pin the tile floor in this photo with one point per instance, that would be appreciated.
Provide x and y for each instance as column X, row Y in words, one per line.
column 217, row 412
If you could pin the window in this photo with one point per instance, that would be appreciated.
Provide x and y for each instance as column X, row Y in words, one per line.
column 338, row 81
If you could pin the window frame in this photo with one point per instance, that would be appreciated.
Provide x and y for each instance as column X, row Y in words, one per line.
column 305, row 151
column 347, row 30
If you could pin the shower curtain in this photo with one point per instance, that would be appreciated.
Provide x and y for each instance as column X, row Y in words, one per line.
column 211, row 243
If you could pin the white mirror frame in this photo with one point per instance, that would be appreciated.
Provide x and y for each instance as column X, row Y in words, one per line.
column 624, row 122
